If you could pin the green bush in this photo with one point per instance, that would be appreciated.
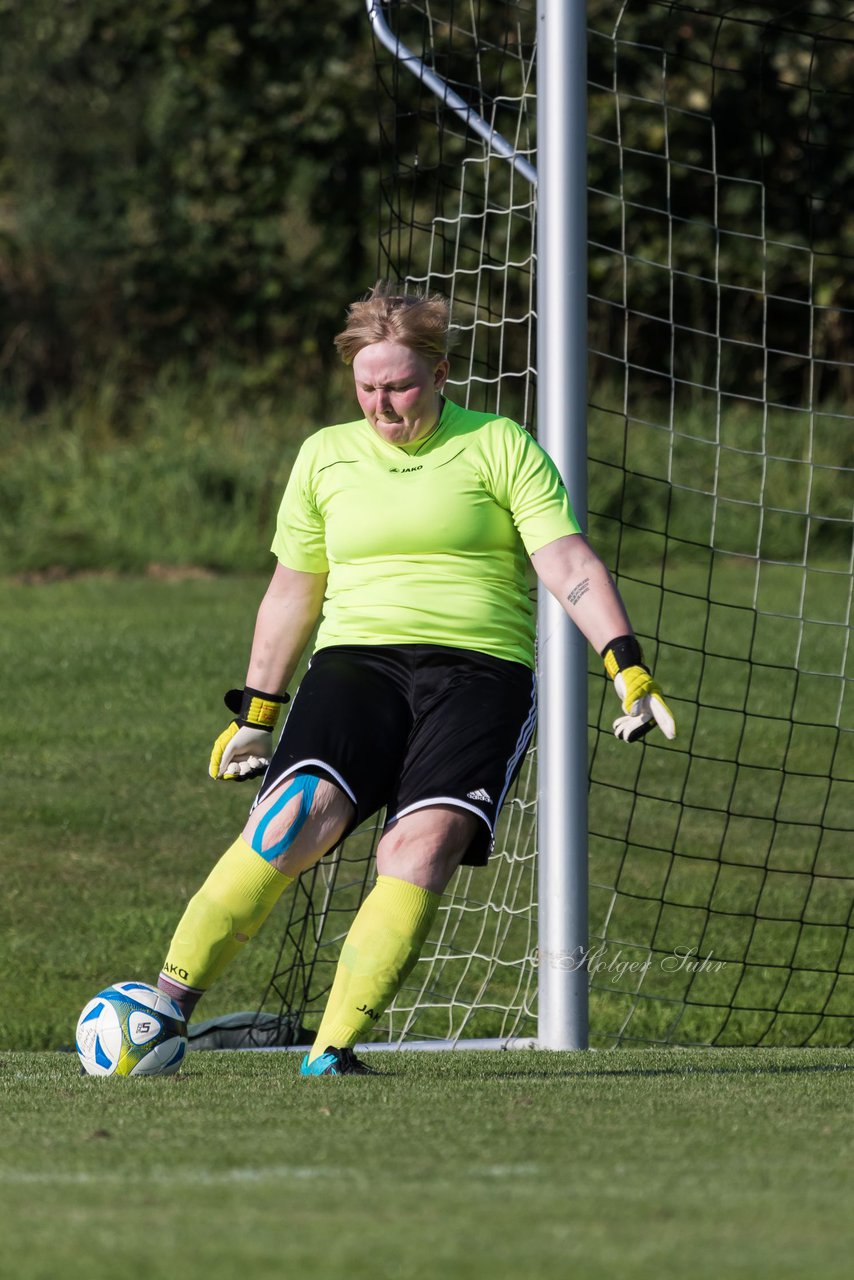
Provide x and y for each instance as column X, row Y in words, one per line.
column 181, row 177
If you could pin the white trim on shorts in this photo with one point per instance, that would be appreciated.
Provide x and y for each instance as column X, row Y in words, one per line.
column 295, row 768
column 522, row 744
column 434, row 800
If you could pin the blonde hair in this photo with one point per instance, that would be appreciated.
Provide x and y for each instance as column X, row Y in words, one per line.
column 420, row 321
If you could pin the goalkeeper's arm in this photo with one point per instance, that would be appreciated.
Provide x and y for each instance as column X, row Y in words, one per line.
column 577, row 577
column 286, row 618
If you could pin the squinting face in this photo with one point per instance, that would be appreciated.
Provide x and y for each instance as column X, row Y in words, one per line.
column 399, row 392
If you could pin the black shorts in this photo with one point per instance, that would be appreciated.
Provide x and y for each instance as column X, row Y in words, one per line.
column 410, row 726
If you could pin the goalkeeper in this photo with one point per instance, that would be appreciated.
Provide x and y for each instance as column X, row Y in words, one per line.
column 408, row 534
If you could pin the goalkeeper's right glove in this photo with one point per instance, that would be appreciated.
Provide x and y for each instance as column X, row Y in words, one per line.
column 642, row 699
column 242, row 750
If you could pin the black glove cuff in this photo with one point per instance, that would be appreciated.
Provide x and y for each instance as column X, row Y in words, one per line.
column 625, row 651
column 239, row 701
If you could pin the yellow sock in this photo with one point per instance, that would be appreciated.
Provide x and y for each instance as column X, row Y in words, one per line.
column 227, row 911
column 384, row 941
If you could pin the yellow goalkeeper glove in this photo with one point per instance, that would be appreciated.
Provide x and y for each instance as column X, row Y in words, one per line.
column 642, row 699
column 242, row 750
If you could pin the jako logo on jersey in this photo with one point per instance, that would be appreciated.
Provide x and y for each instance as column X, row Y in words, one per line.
column 402, row 470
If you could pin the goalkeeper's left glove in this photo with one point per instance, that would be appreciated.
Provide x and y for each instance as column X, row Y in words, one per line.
column 642, row 700
column 242, row 750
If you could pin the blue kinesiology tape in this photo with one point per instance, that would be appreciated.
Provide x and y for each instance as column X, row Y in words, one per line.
column 304, row 785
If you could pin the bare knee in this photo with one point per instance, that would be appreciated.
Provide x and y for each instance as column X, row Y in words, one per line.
column 426, row 847
column 300, row 820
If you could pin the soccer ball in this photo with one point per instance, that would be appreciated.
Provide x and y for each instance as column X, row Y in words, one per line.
column 131, row 1029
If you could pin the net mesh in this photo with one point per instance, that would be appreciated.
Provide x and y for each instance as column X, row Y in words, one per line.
column 721, row 457
column 721, row 462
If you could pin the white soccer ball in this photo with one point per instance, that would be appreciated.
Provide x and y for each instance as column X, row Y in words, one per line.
column 131, row 1029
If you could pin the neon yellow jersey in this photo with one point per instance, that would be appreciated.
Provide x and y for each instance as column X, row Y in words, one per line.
column 425, row 543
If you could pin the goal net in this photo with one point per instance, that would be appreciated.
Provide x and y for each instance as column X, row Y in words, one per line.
column 721, row 459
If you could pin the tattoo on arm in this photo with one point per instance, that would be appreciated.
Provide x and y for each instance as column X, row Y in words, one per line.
column 580, row 589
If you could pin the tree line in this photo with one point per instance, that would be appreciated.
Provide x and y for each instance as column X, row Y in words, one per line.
column 198, row 181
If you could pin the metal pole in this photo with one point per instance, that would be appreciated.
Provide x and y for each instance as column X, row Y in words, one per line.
column 561, row 416
column 445, row 93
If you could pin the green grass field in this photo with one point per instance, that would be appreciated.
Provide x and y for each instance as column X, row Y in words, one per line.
column 471, row 1166
column 109, row 821
column 631, row 1163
